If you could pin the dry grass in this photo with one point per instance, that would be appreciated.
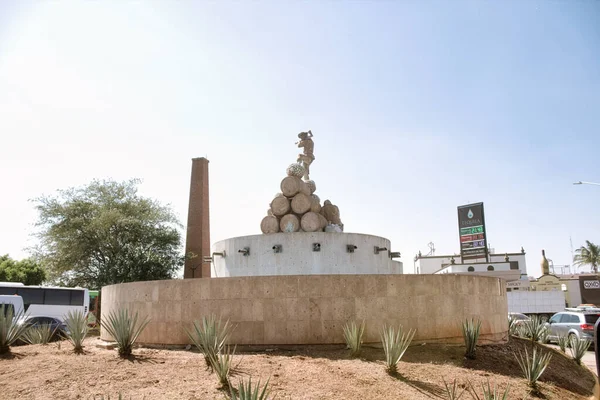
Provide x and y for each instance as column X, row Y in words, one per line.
column 42, row 372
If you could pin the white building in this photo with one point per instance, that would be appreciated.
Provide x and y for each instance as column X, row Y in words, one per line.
column 509, row 266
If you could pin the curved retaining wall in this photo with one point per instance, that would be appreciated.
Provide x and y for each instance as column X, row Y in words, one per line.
column 297, row 256
column 313, row 309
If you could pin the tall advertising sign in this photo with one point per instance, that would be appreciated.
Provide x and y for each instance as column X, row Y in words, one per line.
column 471, row 228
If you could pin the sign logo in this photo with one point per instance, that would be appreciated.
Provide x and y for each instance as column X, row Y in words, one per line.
column 471, row 228
column 591, row 284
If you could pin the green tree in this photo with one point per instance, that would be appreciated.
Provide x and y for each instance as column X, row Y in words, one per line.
column 105, row 233
column 588, row 255
column 26, row 271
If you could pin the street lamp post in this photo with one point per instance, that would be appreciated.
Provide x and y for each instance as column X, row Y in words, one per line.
column 586, row 183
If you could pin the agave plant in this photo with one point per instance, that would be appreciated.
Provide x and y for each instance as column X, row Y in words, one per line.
column 513, row 326
column 77, row 329
column 395, row 344
column 222, row 365
column 534, row 329
column 535, row 366
column 520, row 331
column 544, row 335
column 470, row 330
column 353, row 334
column 563, row 342
column 39, row 334
column 578, row 347
column 210, row 337
column 453, row 391
column 489, row 393
column 124, row 328
column 247, row 391
column 10, row 329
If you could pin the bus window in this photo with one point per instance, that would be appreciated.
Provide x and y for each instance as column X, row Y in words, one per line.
column 76, row 297
column 31, row 296
column 58, row 297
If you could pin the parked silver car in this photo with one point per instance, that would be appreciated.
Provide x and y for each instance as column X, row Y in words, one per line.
column 573, row 323
column 518, row 317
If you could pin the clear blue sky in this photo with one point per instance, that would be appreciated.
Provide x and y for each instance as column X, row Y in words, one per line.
column 416, row 106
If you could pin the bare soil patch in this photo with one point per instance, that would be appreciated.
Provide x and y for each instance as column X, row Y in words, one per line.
column 54, row 372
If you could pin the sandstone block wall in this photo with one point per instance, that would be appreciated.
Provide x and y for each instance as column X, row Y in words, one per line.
column 295, row 310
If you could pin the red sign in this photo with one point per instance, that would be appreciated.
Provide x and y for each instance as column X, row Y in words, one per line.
column 469, row 238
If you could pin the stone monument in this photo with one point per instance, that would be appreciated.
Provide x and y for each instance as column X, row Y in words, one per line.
column 297, row 208
column 303, row 278
column 544, row 264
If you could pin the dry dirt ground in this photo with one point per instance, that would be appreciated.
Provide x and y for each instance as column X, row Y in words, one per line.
column 54, row 372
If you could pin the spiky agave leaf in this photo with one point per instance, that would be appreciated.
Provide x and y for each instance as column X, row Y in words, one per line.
column 534, row 328
column 395, row 344
column 453, row 391
column 39, row 334
column 563, row 342
column 125, row 329
column 10, row 329
column 222, row 364
column 513, row 326
column 535, row 366
column 247, row 391
column 77, row 329
column 489, row 393
column 210, row 337
column 353, row 334
column 578, row 347
column 544, row 334
column 470, row 330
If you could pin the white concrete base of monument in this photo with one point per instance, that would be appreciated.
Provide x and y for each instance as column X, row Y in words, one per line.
column 303, row 253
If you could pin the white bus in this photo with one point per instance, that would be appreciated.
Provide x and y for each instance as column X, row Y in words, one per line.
column 48, row 301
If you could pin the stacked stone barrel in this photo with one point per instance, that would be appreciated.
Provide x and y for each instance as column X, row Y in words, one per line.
column 297, row 208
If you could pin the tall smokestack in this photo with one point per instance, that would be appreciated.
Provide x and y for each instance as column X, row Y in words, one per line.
column 198, row 228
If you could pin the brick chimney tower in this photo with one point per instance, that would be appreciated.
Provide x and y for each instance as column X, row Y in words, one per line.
column 198, row 228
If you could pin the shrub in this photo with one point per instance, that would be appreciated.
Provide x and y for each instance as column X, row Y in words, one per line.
column 453, row 391
column 578, row 348
column 534, row 329
column 77, row 329
column 222, row 365
column 395, row 345
column 210, row 337
column 353, row 334
column 489, row 393
column 470, row 330
column 246, row 391
column 563, row 342
column 10, row 329
column 124, row 328
column 521, row 332
column 544, row 335
column 39, row 334
column 533, row 367
column 513, row 326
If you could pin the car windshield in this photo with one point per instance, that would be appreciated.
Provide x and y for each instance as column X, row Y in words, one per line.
column 591, row 318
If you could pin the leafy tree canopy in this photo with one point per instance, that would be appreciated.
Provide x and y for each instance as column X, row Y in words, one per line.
column 588, row 255
column 26, row 271
column 106, row 233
